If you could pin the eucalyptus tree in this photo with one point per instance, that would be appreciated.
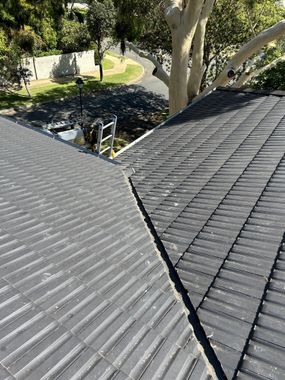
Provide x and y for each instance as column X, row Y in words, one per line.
column 186, row 22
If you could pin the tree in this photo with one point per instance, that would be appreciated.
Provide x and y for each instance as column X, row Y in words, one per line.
column 242, row 20
column 48, row 34
column 73, row 36
column 16, row 14
column 28, row 43
column 187, row 21
column 100, row 20
column 11, row 72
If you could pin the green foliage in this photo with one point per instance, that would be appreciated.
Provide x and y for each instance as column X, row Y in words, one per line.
column 3, row 40
column 49, row 52
column 73, row 37
column 15, row 13
column 9, row 61
column 48, row 34
column 100, row 18
column 273, row 79
column 77, row 15
column 18, row 13
column 133, row 17
column 28, row 42
column 232, row 24
column 32, row 22
column 144, row 24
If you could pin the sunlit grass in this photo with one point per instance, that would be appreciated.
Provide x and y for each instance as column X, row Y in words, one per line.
column 63, row 88
column 108, row 64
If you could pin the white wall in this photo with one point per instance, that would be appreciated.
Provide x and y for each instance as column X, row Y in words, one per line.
column 85, row 61
column 56, row 66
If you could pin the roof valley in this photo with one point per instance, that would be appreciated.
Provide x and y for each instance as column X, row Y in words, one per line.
column 180, row 289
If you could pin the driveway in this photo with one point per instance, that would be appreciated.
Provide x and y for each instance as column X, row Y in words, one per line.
column 148, row 82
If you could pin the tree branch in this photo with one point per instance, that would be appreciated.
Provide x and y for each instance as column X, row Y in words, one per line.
column 172, row 14
column 252, row 47
column 158, row 72
column 197, row 70
column 247, row 76
column 244, row 77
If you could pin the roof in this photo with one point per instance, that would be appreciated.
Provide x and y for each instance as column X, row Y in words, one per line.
column 84, row 292
column 212, row 181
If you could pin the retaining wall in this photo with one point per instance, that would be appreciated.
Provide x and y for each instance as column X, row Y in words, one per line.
column 56, row 66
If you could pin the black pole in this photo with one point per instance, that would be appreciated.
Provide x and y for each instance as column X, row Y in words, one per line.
column 81, row 106
column 79, row 83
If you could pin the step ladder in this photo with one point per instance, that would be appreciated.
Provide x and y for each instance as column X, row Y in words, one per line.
column 110, row 137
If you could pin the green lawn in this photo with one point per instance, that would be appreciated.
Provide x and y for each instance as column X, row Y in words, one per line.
column 113, row 54
column 108, row 64
column 59, row 89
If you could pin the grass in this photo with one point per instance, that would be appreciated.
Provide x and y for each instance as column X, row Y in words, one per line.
column 132, row 72
column 113, row 54
column 66, row 88
column 108, row 64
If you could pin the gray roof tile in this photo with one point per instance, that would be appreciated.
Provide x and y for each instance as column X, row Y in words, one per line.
column 84, row 292
column 212, row 182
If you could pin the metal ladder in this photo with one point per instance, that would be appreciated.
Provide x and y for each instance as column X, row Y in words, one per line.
column 110, row 137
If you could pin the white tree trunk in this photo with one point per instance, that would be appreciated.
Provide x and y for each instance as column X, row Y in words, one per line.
column 252, row 63
column 178, row 97
column 197, row 69
column 245, row 52
column 182, row 18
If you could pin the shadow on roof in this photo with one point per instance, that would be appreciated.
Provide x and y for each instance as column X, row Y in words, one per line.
column 213, row 105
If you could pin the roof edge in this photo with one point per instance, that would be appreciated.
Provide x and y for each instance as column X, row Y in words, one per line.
column 80, row 148
column 157, row 127
column 249, row 90
column 246, row 90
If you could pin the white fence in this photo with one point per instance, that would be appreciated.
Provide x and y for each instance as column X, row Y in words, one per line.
column 56, row 66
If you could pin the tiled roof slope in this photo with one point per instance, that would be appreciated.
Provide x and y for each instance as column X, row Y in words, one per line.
column 83, row 291
column 212, row 181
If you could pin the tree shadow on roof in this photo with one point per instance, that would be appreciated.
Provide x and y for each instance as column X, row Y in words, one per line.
column 217, row 103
